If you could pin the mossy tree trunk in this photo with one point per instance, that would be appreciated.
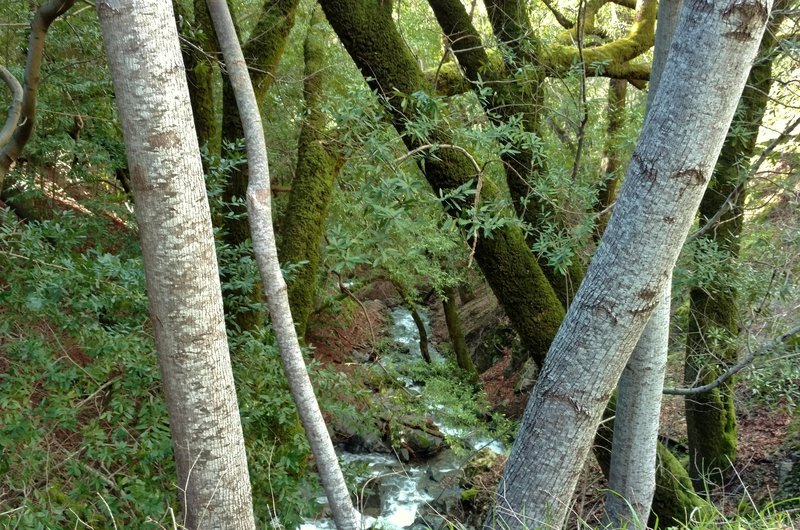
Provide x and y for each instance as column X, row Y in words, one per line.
column 714, row 315
column 368, row 32
column 507, row 101
column 317, row 166
column 423, row 333
column 456, row 333
column 202, row 73
column 610, row 166
column 262, row 51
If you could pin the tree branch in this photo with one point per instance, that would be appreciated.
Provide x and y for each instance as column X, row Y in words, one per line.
column 45, row 16
column 738, row 367
column 15, row 109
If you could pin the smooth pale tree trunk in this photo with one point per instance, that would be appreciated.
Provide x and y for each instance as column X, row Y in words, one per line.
column 705, row 72
column 260, row 210
column 632, row 474
column 183, row 286
column 632, row 471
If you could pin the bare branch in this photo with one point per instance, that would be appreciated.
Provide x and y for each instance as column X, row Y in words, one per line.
column 45, row 16
column 738, row 367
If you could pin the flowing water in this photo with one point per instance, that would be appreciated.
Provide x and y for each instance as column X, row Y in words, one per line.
column 402, row 495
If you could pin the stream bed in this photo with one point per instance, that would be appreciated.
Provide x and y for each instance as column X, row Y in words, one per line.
column 395, row 495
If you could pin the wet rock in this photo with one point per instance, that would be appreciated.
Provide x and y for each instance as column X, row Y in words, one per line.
column 415, row 438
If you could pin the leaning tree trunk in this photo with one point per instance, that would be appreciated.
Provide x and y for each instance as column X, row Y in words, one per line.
column 368, row 32
column 312, row 185
column 679, row 145
column 180, row 265
column 260, row 209
column 508, row 101
column 713, row 313
column 674, row 500
column 263, row 50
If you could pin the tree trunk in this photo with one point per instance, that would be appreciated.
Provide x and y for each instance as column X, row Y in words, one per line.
column 180, row 265
column 263, row 51
column 633, row 471
column 509, row 101
column 674, row 499
column 456, row 333
column 713, row 312
column 317, row 166
column 368, row 32
column 11, row 149
column 680, row 142
column 202, row 74
column 260, row 209
column 423, row 334
column 611, row 162
column 632, row 474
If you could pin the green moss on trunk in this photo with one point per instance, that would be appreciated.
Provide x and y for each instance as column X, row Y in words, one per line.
column 262, row 51
column 507, row 101
column 714, row 315
column 202, row 74
column 367, row 30
column 304, row 220
column 610, row 170
column 456, row 333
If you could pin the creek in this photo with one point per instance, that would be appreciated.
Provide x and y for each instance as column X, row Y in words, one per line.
column 397, row 495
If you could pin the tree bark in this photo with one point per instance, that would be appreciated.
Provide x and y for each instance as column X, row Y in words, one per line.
column 456, row 333
column 180, row 265
column 611, row 161
column 713, row 312
column 632, row 473
column 317, row 166
column 680, row 142
column 260, row 209
column 263, row 50
column 674, row 499
column 423, row 334
column 508, row 101
column 202, row 74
